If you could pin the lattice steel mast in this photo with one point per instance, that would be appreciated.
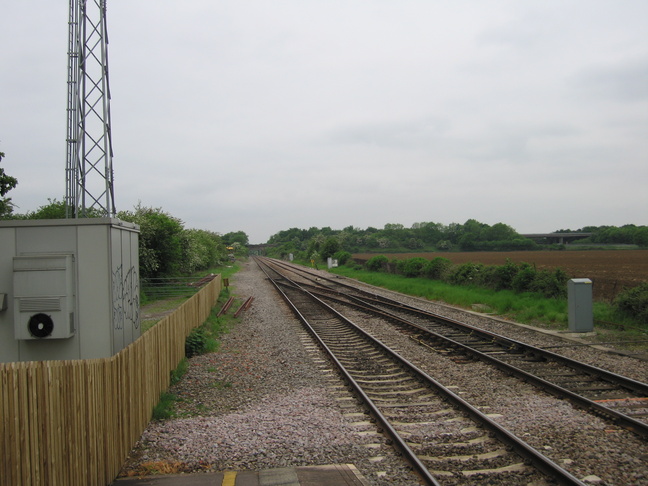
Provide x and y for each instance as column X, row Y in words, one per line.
column 89, row 171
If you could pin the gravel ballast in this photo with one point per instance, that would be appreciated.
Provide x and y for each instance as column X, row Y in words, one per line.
column 268, row 399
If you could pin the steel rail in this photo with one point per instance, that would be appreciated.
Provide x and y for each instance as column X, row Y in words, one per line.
column 637, row 386
column 400, row 443
column 618, row 418
column 541, row 462
column 621, row 419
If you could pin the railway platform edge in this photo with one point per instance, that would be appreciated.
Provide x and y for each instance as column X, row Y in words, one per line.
column 328, row 475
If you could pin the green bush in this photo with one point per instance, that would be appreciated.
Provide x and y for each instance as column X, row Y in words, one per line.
column 411, row 267
column 467, row 274
column 342, row 257
column 436, row 269
column 160, row 241
column 504, row 275
column 523, row 280
column 196, row 342
column 376, row 263
column 634, row 302
column 550, row 283
column 201, row 250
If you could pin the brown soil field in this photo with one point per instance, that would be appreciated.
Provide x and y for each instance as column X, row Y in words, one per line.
column 610, row 270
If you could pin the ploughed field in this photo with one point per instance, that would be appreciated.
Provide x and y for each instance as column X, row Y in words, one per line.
column 610, row 270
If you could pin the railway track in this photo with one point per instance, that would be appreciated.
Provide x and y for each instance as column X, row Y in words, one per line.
column 445, row 439
column 618, row 399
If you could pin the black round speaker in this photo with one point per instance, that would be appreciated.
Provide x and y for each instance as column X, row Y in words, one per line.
column 40, row 325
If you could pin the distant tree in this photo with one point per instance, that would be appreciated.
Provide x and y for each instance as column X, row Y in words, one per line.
column 201, row 250
column 371, row 241
column 330, row 247
column 236, row 237
column 288, row 235
column 467, row 242
column 394, row 226
column 627, row 234
column 55, row 209
column 314, row 245
column 453, row 232
column 383, row 242
column 7, row 183
column 430, row 232
column 641, row 236
column 445, row 245
column 414, row 243
column 344, row 238
column 500, row 232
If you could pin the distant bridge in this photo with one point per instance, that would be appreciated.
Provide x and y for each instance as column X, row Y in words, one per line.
column 560, row 238
column 260, row 249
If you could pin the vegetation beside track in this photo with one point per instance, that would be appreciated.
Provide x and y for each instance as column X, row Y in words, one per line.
column 524, row 307
column 154, row 309
column 203, row 339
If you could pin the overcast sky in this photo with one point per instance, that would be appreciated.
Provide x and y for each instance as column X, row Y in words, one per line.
column 260, row 115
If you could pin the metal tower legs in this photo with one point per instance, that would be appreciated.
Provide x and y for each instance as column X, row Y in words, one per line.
column 89, row 171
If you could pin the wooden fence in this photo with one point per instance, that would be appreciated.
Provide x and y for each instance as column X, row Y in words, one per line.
column 74, row 422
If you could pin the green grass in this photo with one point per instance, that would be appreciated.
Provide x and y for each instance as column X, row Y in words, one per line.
column 215, row 326
column 180, row 371
column 164, row 408
column 220, row 385
column 161, row 307
column 528, row 308
column 226, row 271
column 206, row 340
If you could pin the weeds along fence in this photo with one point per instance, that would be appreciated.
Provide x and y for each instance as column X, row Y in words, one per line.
column 74, row 422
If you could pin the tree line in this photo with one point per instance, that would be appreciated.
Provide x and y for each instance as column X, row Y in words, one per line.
column 628, row 234
column 469, row 236
column 166, row 247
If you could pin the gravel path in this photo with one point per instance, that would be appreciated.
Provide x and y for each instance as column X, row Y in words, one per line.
column 268, row 399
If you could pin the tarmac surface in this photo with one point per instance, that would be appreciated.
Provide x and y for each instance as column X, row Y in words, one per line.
column 330, row 475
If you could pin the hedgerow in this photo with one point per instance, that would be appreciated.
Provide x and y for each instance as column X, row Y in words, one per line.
column 519, row 277
column 634, row 302
column 376, row 263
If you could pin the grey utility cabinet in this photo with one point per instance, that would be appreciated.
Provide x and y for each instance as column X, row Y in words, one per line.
column 579, row 293
column 69, row 288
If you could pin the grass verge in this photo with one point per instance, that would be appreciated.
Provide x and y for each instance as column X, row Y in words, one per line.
column 164, row 408
column 157, row 309
column 203, row 339
column 528, row 308
column 206, row 337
